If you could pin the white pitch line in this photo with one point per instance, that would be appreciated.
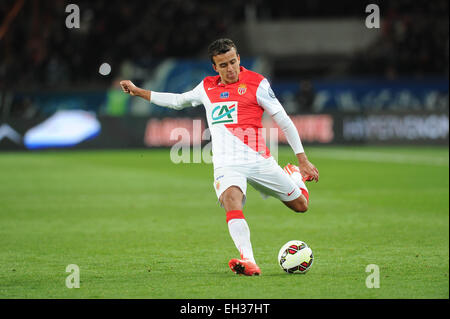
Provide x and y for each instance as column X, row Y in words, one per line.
column 381, row 157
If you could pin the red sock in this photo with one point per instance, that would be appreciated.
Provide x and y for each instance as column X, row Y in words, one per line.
column 305, row 193
column 234, row 214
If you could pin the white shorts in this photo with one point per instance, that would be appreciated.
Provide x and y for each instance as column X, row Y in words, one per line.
column 266, row 176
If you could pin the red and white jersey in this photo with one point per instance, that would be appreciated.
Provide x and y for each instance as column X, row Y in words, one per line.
column 234, row 113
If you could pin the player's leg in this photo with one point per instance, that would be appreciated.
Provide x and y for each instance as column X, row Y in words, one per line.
column 270, row 179
column 300, row 204
column 231, row 199
column 230, row 188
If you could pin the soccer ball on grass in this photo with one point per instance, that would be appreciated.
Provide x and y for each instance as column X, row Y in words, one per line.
column 295, row 257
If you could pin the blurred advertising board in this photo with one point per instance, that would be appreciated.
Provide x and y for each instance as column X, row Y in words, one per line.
column 86, row 131
column 396, row 128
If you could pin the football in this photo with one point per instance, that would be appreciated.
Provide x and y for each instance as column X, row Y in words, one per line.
column 295, row 257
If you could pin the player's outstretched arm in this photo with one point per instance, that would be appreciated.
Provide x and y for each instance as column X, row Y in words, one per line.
column 130, row 88
column 266, row 98
column 164, row 99
column 307, row 169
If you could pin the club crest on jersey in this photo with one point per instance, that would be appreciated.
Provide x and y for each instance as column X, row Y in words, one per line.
column 224, row 112
column 242, row 89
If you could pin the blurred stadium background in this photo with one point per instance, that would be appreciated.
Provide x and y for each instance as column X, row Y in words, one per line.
column 371, row 106
column 386, row 85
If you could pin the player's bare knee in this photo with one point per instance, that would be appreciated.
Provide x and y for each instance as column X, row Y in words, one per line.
column 232, row 197
column 231, row 200
column 301, row 206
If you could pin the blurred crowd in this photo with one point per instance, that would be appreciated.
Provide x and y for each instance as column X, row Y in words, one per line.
column 36, row 47
column 414, row 41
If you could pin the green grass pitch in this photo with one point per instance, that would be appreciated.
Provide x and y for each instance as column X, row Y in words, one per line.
column 139, row 226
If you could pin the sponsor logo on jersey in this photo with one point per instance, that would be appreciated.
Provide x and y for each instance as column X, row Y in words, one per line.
column 224, row 112
column 224, row 95
column 242, row 89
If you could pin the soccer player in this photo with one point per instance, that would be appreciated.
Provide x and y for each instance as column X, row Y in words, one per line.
column 234, row 101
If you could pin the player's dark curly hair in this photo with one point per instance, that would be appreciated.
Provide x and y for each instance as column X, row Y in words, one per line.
column 220, row 46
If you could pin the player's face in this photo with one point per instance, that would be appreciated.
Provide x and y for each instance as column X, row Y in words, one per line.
column 227, row 65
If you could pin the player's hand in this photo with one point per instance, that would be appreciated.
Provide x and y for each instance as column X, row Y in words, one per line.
column 128, row 87
column 307, row 169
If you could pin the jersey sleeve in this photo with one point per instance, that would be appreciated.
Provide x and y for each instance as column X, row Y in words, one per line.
column 267, row 99
column 289, row 130
column 178, row 101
